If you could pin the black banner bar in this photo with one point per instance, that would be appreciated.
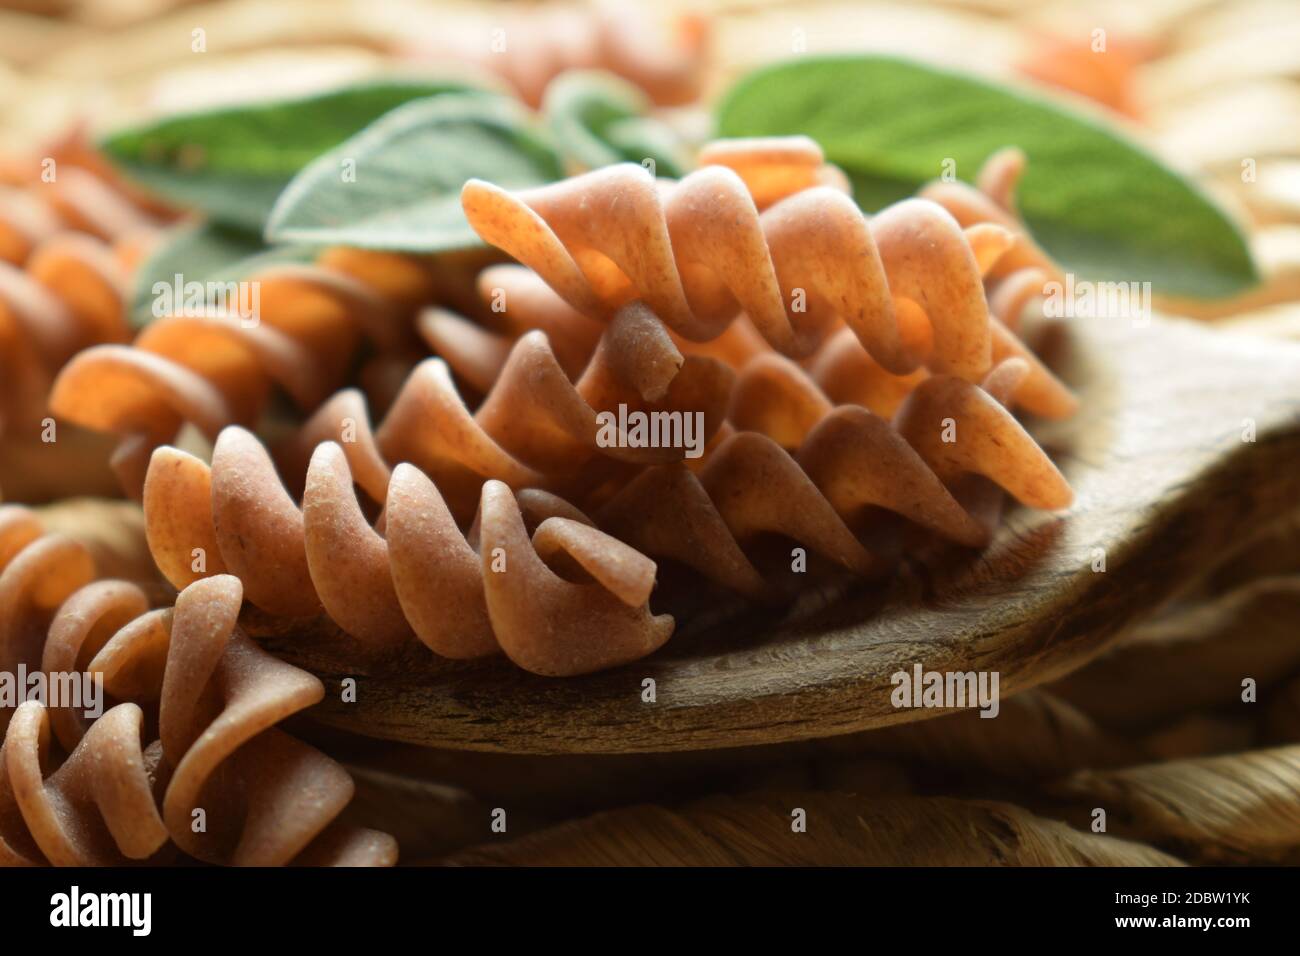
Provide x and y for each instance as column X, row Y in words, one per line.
column 209, row 905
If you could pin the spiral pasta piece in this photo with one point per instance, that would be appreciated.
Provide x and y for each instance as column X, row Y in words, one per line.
column 908, row 282
column 798, row 468
column 63, row 287
column 535, row 427
column 267, row 798
column 37, row 573
column 76, row 200
column 190, row 673
column 213, row 370
column 232, row 788
column 97, row 809
column 841, row 367
column 258, row 531
column 381, row 583
column 991, row 201
column 421, row 577
column 843, row 464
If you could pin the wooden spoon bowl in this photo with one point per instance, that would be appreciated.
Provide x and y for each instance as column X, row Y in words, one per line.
column 1167, row 481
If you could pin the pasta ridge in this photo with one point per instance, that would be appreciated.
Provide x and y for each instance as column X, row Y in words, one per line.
column 839, row 465
column 991, row 201
column 64, row 268
column 97, row 809
column 536, row 427
column 213, row 368
column 907, row 281
column 381, row 583
column 462, row 595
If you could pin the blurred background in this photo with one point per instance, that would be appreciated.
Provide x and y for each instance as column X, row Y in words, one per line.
column 1151, row 728
column 1205, row 83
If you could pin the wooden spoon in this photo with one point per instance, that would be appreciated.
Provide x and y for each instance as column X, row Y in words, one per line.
column 1167, row 482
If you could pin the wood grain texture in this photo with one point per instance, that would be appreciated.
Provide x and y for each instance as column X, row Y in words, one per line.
column 1165, row 484
column 843, row 830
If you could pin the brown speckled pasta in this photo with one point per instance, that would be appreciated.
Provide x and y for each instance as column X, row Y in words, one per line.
column 908, row 282
column 843, row 463
column 188, row 672
column 535, row 427
column 38, row 571
column 775, row 396
column 97, row 809
column 992, row 202
column 266, row 798
column 899, row 345
column 98, row 806
column 213, row 371
column 63, row 285
column 421, row 574
column 788, row 462
column 421, row 577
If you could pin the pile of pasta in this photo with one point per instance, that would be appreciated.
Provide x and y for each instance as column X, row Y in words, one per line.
column 856, row 379
column 210, row 369
column 185, row 759
column 70, row 234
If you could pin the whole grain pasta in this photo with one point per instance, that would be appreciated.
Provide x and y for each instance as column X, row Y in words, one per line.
column 786, row 463
column 267, row 798
column 462, row 597
column 215, row 369
column 185, row 673
column 698, row 252
column 534, row 427
column 849, row 462
column 97, row 809
column 66, row 251
column 383, row 586
column 263, row 797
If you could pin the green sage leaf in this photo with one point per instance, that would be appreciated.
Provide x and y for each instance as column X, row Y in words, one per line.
column 396, row 185
column 232, row 163
column 599, row 119
column 1098, row 202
